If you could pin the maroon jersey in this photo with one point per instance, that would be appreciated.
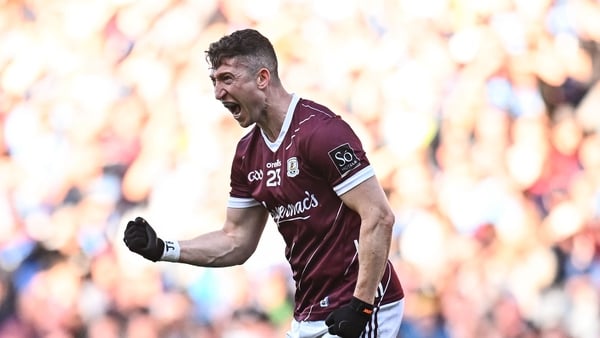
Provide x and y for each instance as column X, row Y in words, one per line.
column 298, row 179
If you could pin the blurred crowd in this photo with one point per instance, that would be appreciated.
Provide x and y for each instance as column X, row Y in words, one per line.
column 482, row 119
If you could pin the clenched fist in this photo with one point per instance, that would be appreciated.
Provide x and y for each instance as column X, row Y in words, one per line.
column 141, row 239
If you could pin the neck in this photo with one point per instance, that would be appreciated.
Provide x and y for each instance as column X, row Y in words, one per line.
column 276, row 111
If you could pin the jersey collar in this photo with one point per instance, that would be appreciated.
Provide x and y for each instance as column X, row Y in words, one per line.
column 286, row 125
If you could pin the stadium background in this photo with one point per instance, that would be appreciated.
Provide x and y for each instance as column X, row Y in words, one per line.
column 480, row 117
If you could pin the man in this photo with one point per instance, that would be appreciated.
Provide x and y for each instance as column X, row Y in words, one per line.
column 303, row 165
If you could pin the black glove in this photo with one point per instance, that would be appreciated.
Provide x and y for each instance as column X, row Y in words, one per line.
column 349, row 321
column 141, row 238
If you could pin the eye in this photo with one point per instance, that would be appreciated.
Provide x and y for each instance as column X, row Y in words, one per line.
column 227, row 79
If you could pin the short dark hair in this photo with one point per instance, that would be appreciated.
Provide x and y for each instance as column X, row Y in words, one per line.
column 251, row 47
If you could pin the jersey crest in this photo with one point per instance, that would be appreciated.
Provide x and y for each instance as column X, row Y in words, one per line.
column 293, row 169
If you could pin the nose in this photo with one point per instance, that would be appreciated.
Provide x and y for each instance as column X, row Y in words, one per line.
column 219, row 92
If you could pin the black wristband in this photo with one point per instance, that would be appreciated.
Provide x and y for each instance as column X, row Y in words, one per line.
column 361, row 307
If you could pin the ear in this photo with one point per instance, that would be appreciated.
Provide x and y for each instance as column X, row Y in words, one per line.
column 263, row 78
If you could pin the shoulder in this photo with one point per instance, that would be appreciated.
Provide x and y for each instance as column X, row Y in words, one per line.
column 325, row 125
column 247, row 142
column 322, row 122
column 308, row 106
column 313, row 117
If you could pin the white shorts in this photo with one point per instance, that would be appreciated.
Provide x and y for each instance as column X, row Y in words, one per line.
column 385, row 323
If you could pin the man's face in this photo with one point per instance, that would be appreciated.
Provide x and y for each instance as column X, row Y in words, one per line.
column 237, row 89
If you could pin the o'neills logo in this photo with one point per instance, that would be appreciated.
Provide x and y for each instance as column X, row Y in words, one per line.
column 293, row 211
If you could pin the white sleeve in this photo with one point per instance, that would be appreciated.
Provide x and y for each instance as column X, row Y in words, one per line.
column 240, row 203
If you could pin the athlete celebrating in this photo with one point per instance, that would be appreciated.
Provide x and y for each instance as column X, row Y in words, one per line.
column 303, row 165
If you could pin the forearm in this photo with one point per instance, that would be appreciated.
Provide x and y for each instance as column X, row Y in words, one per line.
column 213, row 249
column 373, row 251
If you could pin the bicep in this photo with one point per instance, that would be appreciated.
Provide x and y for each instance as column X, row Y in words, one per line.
column 245, row 225
column 368, row 200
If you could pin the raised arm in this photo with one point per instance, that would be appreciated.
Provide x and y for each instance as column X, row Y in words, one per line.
column 232, row 245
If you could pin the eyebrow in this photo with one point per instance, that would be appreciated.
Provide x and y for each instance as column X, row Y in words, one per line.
column 220, row 75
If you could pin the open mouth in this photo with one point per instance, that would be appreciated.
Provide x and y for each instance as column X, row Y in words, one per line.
column 233, row 107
